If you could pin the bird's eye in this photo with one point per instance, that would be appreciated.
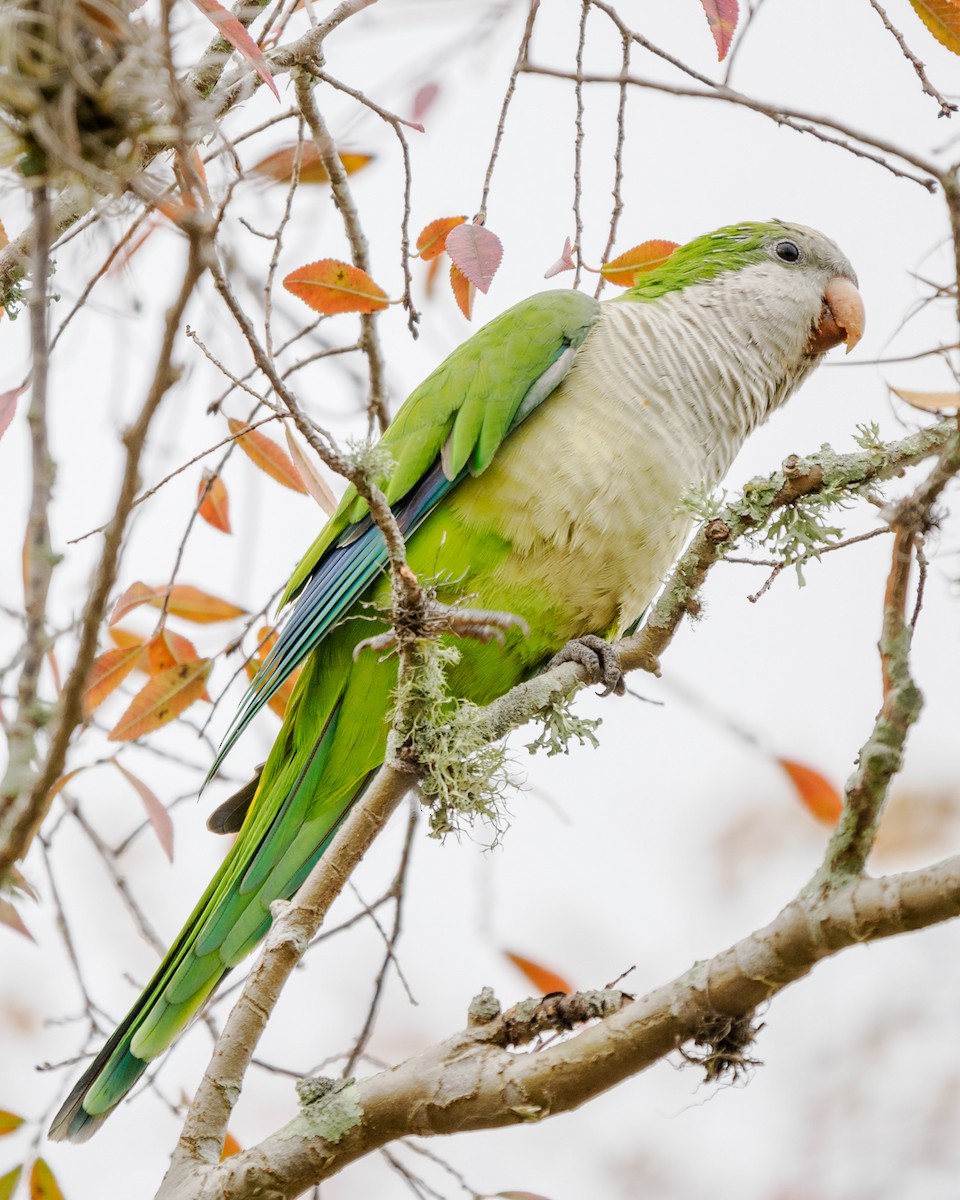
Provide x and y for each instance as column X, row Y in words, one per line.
column 787, row 251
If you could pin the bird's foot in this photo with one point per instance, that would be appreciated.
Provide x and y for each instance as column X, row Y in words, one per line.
column 480, row 624
column 599, row 658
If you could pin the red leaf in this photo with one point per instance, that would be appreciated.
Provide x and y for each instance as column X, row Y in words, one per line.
column 424, row 100
column 157, row 815
column 463, row 290
column 108, row 671
column 564, row 262
column 722, row 18
column 330, row 286
column 267, row 455
column 624, row 269
column 8, row 405
column 816, row 793
column 214, row 502
column 544, row 980
column 163, row 698
column 312, row 480
column 477, row 252
column 433, row 237
column 233, row 32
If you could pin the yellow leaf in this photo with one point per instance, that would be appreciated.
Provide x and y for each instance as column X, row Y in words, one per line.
column 43, row 1184
column 193, row 604
column 108, row 671
column 214, row 506
column 164, row 697
column 124, row 637
column 9, row 1122
column 267, row 455
column 433, row 237
column 279, row 165
column 8, row 1183
column 623, row 270
column 942, row 18
column 329, row 287
column 230, row 1147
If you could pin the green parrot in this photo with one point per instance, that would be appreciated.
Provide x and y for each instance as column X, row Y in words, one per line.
column 538, row 471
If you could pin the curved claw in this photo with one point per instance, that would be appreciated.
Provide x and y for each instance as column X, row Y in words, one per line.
column 599, row 658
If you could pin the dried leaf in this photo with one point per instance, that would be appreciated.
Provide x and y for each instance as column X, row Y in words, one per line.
column 55, row 672
column 230, row 1146
column 108, row 671
column 477, row 252
column 157, row 815
column 136, row 594
column 62, row 782
column 8, row 405
column 163, row 698
column 942, row 18
column 816, row 793
column 521, row 1196
column 8, row 1183
column 722, row 18
column 165, row 649
column 9, row 1122
column 214, row 502
column 463, row 290
column 330, row 287
column 433, row 237
column 193, row 604
column 43, row 1183
column 267, row 455
column 12, row 919
column 310, row 476
column 564, row 262
column 623, row 271
column 279, row 165
column 544, row 980
column 930, row 401
column 232, row 31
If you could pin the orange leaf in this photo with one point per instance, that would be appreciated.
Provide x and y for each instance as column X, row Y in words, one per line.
column 62, row 782
column 165, row 649
column 432, row 272
column 214, row 502
column 43, row 1184
column 157, row 815
column 198, row 606
column 311, row 477
column 930, row 401
column 329, row 287
column 942, row 18
column 8, row 1183
column 266, row 455
column 433, row 237
column 163, row 698
column 463, row 290
column 108, row 671
column 136, row 594
column 281, row 698
column 623, row 271
column 12, row 919
column 544, row 980
column 230, row 1146
column 55, row 672
column 816, row 793
column 124, row 637
column 9, row 1122
column 279, row 165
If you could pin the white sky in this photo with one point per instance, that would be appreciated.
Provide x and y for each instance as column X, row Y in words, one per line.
column 674, row 838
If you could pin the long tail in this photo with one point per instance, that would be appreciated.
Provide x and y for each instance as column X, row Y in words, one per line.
column 303, row 796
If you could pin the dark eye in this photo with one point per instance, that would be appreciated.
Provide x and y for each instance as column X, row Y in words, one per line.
column 787, row 251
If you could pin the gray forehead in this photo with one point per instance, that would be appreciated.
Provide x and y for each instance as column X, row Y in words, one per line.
column 821, row 248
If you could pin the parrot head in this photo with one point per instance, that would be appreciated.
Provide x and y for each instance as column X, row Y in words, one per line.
column 782, row 267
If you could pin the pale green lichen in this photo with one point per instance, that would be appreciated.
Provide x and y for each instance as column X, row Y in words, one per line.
column 329, row 1111
column 561, row 726
column 371, row 459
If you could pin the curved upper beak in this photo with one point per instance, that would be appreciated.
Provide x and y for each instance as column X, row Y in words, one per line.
column 841, row 319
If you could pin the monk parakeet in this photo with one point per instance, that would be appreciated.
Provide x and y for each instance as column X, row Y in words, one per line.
column 538, row 471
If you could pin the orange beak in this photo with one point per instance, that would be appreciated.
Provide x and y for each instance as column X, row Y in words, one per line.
column 842, row 317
